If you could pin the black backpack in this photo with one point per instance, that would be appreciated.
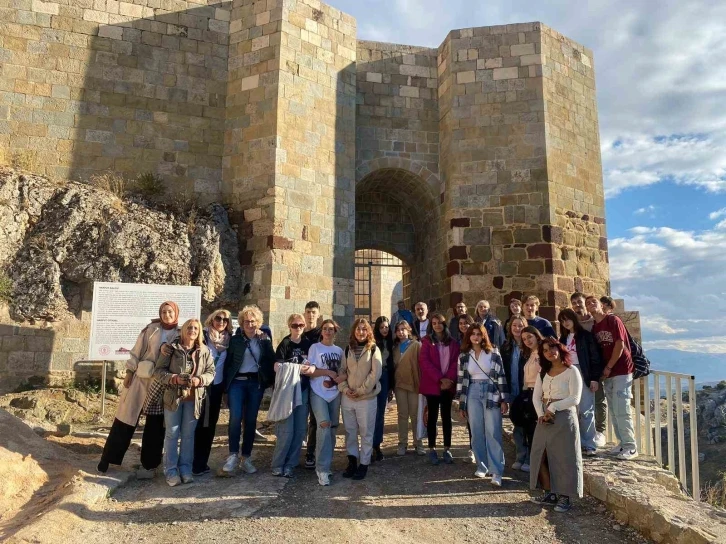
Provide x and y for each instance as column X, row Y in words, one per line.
column 641, row 364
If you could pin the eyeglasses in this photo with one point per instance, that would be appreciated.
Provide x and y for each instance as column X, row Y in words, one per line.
column 297, row 326
column 220, row 319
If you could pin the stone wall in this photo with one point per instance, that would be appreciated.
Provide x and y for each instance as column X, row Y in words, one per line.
column 88, row 86
column 518, row 119
column 383, row 223
column 51, row 353
column 291, row 147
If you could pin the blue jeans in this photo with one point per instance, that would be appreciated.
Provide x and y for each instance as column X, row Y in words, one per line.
column 325, row 413
column 521, row 449
column 619, row 391
column 586, row 411
column 290, row 434
column 486, row 430
column 381, row 401
column 181, row 423
column 244, row 398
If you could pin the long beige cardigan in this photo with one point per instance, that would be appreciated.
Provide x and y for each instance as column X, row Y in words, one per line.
column 132, row 398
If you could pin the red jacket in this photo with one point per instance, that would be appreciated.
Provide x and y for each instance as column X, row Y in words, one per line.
column 430, row 367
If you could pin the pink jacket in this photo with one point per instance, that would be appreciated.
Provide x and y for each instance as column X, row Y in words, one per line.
column 430, row 367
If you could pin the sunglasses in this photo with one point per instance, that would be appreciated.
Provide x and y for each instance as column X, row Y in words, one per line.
column 220, row 319
column 297, row 326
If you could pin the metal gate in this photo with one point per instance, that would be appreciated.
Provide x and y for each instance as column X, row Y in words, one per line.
column 367, row 263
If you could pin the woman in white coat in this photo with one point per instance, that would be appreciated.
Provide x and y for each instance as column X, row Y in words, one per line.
column 139, row 375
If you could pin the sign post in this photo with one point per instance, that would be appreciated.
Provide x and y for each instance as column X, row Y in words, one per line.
column 121, row 310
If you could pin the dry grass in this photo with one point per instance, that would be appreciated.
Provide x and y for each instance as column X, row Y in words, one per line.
column 6, row 287
column 111, row 182
column 715, row 492
column 149, row 185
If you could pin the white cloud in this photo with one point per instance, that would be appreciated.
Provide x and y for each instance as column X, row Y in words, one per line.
column 644, row 160
column 646, row 210
column 717, row 214
column 682, row 273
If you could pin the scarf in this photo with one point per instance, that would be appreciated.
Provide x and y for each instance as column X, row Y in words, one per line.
column 220, row 340
column 175, row 307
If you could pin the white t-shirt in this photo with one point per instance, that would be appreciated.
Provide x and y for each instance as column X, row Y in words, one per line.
column 477, row 371
column 328, row 358
column 422, row 327
column 572, row 348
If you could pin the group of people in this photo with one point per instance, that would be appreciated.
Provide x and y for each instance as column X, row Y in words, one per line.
column 549, row 385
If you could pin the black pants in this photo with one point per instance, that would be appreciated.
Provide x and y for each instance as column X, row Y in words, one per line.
column 207, row 426
column 444, row 402
column 152, row 442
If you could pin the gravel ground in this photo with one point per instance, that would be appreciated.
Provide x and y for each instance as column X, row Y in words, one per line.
column 403, row 499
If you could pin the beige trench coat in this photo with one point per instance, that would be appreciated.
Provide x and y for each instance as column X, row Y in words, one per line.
column 132, row 398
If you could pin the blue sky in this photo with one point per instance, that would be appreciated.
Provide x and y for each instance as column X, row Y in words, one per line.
column 661, row 78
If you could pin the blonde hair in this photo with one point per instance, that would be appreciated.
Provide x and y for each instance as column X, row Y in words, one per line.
column 532, row 298
column 224, row 313
column 189, row 322
column 293, row 317
column 253, row 310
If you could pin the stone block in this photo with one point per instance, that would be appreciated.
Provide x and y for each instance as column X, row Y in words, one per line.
column 505, row 73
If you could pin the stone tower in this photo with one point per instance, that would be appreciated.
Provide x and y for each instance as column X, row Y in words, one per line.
column 477, row 163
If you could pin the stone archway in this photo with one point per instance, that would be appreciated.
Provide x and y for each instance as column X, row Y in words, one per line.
column 397, row 211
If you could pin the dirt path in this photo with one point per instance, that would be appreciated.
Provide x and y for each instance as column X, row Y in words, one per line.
column 402, row 500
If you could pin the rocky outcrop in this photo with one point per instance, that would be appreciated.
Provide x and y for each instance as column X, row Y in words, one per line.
column 57, row 238
column 712, row 413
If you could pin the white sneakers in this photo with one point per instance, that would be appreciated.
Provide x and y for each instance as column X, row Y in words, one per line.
column 480, row 473
column 401, row 451
column 496, row 480
column 615, row 451
column 173, row 481
column 600, row 440
column 231, row 464
column 420, row 449
column 247, row 465
column 627, row 455
column 234, row 461
column 516, row 465
column 472, row 457
column 323, row 478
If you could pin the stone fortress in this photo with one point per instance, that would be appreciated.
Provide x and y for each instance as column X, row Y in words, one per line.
column 477, row 163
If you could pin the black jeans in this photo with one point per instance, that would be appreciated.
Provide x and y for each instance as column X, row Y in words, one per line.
column 207, row 426
column 434, row 402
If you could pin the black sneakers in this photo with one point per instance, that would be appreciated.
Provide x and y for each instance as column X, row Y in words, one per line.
column 310, row 460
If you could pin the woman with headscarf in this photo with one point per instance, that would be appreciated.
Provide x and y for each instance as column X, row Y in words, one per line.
column 139, row 376
column 217, row 332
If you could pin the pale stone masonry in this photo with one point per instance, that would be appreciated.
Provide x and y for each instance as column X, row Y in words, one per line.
column 476, row 162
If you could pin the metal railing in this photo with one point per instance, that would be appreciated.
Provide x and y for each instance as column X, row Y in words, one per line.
column 649, row 423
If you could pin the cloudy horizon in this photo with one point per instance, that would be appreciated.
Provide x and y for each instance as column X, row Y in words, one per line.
column 661, row 97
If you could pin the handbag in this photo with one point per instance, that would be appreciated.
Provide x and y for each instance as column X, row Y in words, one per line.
column 145, row 369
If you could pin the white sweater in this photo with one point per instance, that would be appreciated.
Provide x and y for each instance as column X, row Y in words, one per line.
column 566, row 386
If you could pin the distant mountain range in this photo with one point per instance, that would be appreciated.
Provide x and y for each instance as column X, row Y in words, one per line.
column 708, row 368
